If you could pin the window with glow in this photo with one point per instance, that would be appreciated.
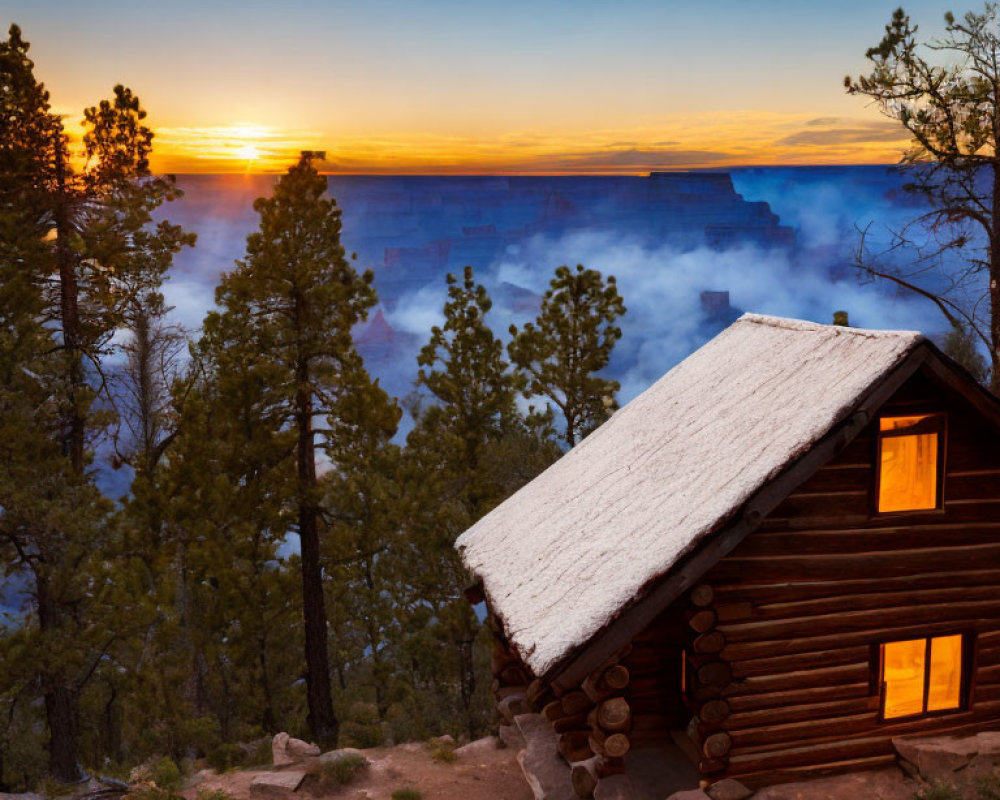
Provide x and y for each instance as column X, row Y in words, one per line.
column 909, row 462
column 921, row 675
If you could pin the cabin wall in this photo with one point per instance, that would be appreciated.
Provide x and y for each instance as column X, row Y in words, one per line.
column 802, row 603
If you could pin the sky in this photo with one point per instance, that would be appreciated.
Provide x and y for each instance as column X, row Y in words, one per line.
column 468, row 86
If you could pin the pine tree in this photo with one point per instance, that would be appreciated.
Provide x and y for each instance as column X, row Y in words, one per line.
column 286, row 320
column 93, row 247
column 563, row 351
column 469, row 450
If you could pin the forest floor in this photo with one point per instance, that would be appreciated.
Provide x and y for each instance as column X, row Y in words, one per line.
column 481, row 770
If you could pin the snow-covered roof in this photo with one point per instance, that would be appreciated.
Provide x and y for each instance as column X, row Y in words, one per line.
column 565, row 553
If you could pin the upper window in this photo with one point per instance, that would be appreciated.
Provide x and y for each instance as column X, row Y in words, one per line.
column 910, row 452
column 921, row 676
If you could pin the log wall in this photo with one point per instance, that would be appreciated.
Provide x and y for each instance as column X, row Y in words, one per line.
column 782, row 671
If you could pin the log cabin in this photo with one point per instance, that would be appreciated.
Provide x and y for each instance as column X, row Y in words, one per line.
column 780, row 557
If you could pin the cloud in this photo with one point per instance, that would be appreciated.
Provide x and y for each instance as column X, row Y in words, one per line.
column 640, row 159
column 661, row 287
column 858, row 133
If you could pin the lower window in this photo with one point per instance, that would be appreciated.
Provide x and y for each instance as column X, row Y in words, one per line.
column 922, row 676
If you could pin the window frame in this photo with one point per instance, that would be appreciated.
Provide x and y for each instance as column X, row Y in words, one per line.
column 940, row 420
column 877, row 675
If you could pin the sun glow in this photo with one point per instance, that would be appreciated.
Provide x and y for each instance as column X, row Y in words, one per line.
column 240, row 147
column 248, row 153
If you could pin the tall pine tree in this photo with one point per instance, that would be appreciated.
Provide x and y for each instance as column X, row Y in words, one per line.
column 286, row 320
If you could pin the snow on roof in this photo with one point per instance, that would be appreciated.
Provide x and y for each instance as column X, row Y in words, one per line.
column 565, row 553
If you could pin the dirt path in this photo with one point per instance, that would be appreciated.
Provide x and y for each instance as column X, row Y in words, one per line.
column 481, row 772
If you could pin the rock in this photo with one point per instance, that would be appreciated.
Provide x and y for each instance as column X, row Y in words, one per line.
column 279, row 750
column 544, row 769
column 689, row 794
column 511, row 737
column 444, row 741
column 938, row 757
column 614, row 787
column 728, row 789
column 478, row 748
column 335, row 755
column 300, row 749
column 22, row 796
column 276, row 784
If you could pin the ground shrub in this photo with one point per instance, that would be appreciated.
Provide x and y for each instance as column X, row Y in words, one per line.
column 407, row 794
column 257, row 752
column 214, row 794
column 938, row 790
column 146, row 791
column 443, row 749
column 225, row 756
column 167, row 775
column 361, row 735
column 340, row 771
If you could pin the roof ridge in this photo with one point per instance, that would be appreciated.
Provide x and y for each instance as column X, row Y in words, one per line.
column 792, row 324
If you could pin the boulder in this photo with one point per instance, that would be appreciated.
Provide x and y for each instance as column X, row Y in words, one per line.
column 301, row 749
column 276, row 784
column 478, row 749
column 280, row 756
column 344, row 752
column 959, row 760
column 937, row 757
column 544, row 769
column 728, row 789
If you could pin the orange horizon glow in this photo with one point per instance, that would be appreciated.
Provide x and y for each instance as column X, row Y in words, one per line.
column 713, row 140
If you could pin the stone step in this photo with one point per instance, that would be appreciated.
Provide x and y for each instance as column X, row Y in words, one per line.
column 544, row 769
column 276, row 784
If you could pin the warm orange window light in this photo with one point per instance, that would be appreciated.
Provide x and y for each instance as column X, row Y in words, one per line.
column 908, row 463
column 945, row 689
column 914, row 685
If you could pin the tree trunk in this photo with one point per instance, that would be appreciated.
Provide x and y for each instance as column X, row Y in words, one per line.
column 269, row 721
column 60, row 700
column 112, row 730
column 60, row 713
column 322, row 722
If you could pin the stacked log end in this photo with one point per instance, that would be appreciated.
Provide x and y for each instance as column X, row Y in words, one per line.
column 598, row 747
column 511, row 679
column 708, row 677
